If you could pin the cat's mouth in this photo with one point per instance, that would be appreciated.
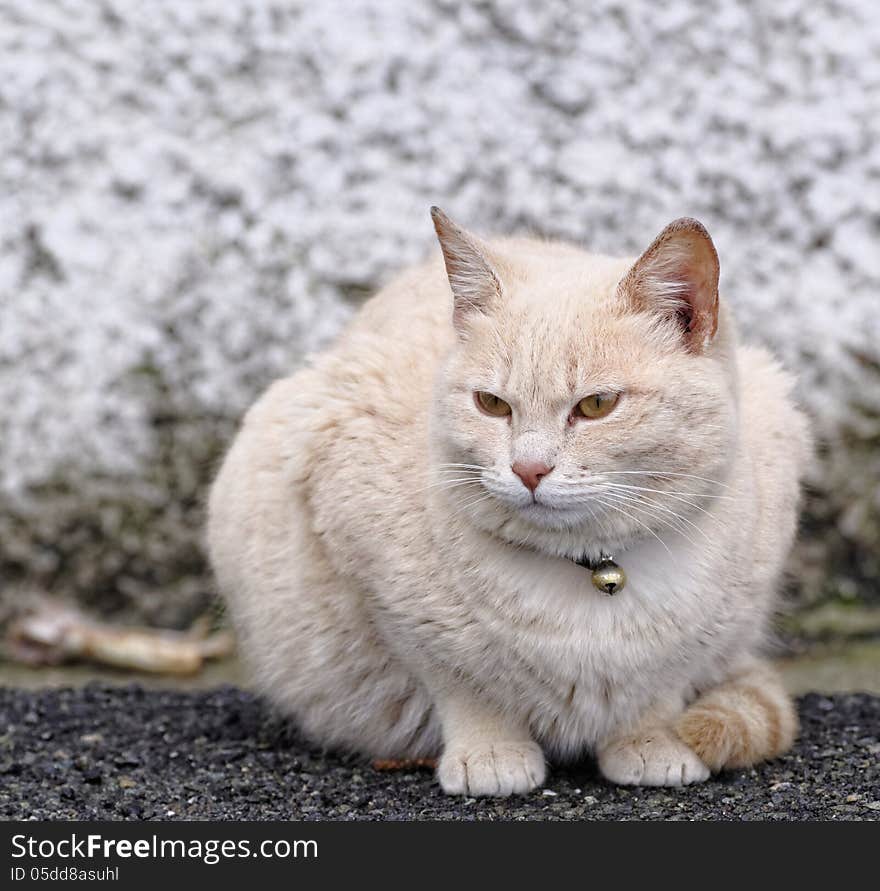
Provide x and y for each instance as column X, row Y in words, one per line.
column 544, row 510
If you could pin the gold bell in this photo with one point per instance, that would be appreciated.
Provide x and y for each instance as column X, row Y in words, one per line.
column 608, row 577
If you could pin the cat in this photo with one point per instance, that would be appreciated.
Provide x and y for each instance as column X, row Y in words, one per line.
column 396, row 527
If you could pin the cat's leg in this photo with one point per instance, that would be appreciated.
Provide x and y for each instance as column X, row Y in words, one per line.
column 747, row 719
column 485, row 753
column 653, row 755
column 304, row 629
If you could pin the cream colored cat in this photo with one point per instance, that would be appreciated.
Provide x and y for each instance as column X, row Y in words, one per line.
column 396, row 525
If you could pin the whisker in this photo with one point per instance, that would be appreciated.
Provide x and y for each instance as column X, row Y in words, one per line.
column 650, row 510
column 648, row 506
column 663, row 473
column 617, row 507
column 676, row 496
column 690, row 504
column 595, row 518
column 449, row 484
column 476, row 474
column 670, row 494
column 470, row 466
column 472, row 503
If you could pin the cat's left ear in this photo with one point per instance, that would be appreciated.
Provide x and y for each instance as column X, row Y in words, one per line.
column 677, row 277
column 475, row 284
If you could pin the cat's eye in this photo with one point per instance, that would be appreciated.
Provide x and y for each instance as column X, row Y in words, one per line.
column 596, row 405
column 491, row 404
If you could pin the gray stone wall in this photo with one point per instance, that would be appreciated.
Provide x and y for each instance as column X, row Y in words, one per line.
column 192, row 195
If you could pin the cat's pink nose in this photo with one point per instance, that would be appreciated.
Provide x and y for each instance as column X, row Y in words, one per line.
column 531, row 472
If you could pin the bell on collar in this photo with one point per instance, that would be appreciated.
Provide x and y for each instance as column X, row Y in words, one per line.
column 608, row 577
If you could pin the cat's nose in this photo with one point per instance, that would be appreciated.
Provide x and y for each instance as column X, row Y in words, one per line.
column 531, row 472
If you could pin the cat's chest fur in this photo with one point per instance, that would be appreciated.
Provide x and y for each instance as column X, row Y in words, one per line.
column 533, row 633
column 594, row 660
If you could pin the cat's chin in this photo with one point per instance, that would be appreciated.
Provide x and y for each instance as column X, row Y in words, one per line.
column 555, row 531
column 554, row 519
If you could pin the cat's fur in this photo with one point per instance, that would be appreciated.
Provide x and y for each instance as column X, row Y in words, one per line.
column 399, row 605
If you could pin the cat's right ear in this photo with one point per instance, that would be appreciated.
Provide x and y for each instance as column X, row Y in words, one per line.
column 475, row 285
column 677, row 277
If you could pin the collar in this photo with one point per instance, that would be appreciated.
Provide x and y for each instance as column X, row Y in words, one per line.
column 607, row 576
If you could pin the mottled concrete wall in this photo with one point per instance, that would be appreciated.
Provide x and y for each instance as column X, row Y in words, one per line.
column 193, row 194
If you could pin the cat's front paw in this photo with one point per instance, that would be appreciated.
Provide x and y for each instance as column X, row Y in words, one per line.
column 652, row 758
column 503, row 768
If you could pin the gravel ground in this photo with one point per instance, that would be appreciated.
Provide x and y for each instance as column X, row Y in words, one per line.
column 127, row 753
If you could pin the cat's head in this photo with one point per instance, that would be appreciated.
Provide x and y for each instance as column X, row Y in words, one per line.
column 588, row 401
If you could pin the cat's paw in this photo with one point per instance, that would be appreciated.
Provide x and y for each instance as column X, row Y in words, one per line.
column 505, row 768
column 652, row 758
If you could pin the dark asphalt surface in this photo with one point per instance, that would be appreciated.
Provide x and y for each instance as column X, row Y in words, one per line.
column 117, row 753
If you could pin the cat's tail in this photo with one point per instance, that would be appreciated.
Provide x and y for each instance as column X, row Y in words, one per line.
column 747, row 719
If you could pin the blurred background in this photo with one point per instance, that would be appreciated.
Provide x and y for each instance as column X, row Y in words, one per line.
column 194, row 195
